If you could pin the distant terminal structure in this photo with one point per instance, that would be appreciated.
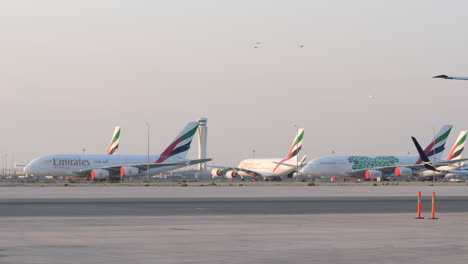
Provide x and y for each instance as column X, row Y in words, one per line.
column 202, row 141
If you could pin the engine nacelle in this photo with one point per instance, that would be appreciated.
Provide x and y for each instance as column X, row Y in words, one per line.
column 129, row 171
column 99, row 174
column 450, row 175
column 294, row 174
column 231, row 174
column 403, row 171
column 428, row 173
column 215, row 173
column 372, row 174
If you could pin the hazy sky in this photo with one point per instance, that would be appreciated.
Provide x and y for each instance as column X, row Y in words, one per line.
column 72, row 70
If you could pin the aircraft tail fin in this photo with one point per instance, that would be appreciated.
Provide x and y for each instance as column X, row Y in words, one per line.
column 436, row 147
column 295, row 147
column 303, row 161
column 114, row 143
column 458, row 147
column 180, row 146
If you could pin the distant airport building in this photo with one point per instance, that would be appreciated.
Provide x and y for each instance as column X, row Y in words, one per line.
column 202, row 138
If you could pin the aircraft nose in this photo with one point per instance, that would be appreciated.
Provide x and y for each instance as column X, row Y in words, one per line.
column 310, row 168
column 29, row 169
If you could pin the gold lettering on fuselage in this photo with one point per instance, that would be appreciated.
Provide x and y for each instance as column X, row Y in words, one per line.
column 70, row 162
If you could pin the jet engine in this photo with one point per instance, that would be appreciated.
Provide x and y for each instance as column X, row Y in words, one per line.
column 403, row 171
column 231, row 174
column 428, row 173
column 294, row 174
column 99, row 174
column 129, row 171
column 216, row 173
column 372, row 174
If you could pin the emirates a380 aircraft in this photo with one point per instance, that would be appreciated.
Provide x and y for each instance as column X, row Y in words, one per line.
column 266, row 168
column 371, row 167
column 101, row 167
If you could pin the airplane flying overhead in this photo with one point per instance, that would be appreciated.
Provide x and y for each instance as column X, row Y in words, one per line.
column 443, row 76
column 114, row 143
column 265, row 168
column 370, row 167
column 101, row 167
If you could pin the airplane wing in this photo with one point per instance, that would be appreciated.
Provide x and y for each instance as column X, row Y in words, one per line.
column 389, row 170
column 301, row 164
column 115, row 169
column 454, row 171
column 287, row 165
column 443, row 76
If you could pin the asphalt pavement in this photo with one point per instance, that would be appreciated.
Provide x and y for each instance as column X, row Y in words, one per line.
column 60, row 207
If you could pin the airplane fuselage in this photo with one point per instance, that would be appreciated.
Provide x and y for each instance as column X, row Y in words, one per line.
column 341, row 166
column 268, row 167
column 68, row 164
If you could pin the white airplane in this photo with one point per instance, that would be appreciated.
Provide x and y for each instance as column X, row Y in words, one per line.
column 265, row 168
column 454, row 155
column 114, row 143
column 443, row 76
column 371, row 167
column 101, row 167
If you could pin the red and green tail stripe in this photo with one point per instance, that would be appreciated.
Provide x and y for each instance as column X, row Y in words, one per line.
column 458, row 148
column 431, row 151
column 175, row 148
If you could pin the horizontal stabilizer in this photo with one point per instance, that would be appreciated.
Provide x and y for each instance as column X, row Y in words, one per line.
column 197, row 161
column 285, row 164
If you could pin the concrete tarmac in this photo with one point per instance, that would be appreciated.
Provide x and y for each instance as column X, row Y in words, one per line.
column 211, row 225
column 222, row 206
column 251, row 190
column 236, row 239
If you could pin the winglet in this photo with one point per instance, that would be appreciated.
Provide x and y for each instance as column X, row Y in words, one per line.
column 421, row 152
column 423, row 156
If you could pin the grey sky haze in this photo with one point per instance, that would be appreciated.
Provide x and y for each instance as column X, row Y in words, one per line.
column 72, row 70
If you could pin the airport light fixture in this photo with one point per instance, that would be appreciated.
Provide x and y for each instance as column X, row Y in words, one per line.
column 148, row 149
column 297, row 155
column 253, row 158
